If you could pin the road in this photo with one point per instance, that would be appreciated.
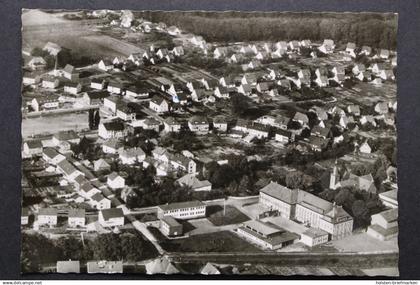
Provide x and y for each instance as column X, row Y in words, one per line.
column 352, row 260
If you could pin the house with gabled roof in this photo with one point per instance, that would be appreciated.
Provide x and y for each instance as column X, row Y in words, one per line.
column 111, row 217
column 198, row 124
column 113, row 129
column 115, row 181
column 32, row 147
column 366, row 50
column 76, row 218
column 159, row 104
column 191, row 180
column 112, row 145
column 171, row 124
column 132, row 155
column 99, row 202
column 70, row 72
column 47, row 216
column 161, row 265
column 52, row 48
column 327, row 46
column 351, row 49
column 50, row 82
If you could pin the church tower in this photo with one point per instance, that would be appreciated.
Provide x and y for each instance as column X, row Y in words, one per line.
column 334, row 177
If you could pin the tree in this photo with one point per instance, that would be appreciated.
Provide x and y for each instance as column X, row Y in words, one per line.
column 239, row 104
column 360, row 214
column 96, row 120
column 70, row 247
column 91, row 119
column 107, row 247
column 294, row 180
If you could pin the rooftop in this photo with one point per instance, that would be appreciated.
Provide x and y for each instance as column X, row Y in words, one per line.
column 181, row 205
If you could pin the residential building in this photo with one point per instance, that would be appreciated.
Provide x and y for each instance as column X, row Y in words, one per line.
column 132, row 155
column 69, row 266
column 104, row 267
column 113, row 217
column 114, row 129
column 47, row 216
column 194, row 183
column 115, row 181
column 199, row 125
column 76, row 218
column 159, row 105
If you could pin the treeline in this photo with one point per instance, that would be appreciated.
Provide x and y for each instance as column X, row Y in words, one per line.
column 39, row 251
column 373, row 29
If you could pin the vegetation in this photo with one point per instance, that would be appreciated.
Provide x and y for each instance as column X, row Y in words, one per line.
column 375, row 30
column 215, row 242
column 37, row 250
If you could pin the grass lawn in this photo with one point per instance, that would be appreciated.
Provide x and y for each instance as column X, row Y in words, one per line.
column 232, row 216
column 215, row 242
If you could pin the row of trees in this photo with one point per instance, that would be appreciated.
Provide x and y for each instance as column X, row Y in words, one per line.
column 376, row 30
column 37, row 250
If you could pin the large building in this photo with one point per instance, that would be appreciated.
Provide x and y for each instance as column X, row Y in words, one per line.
column 183, row 210
column 306, row 208
column 266, row 236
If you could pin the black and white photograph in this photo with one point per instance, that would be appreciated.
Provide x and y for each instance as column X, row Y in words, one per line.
column 209, row 143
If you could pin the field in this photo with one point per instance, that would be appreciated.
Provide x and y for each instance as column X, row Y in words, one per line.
column 79, row 36
column 215, row 242
column 232, row 216
column 53, row 124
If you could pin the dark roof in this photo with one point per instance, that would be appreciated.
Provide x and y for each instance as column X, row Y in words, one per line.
column 170, row 221
column 114, row 126
column 76, row 213
column 69, row 68
column 280, row 192
column 181, row 205
column 157, row 100
column 97, row 94
column 112, row 213
column 66, row 135
column 47, row 212
column 34, row 144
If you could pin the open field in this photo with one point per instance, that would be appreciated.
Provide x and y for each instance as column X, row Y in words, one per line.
column 53, row 124
column 217, row 216
column 215, row 242
column 79, row 36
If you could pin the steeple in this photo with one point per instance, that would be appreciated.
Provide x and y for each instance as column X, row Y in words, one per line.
column 334, row 176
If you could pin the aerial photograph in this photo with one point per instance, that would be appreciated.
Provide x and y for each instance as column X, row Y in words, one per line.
column 209, row 143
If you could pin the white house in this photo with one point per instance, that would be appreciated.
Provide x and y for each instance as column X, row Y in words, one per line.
column 130, row 156
column 159, row 105
column 47, row 216
column 115, row 181
column 198, row 124
column 76, row 218
column 114, row 129
column 100, row 202
column 113, row 217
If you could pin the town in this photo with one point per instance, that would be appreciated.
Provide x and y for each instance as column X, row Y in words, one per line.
column 169, row 154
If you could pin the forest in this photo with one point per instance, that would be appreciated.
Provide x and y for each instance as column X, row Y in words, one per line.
column 372, row 29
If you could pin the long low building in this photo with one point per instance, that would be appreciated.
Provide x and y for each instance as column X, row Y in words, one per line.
column 183, row 210
column 266, row 236
column 295, row 204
